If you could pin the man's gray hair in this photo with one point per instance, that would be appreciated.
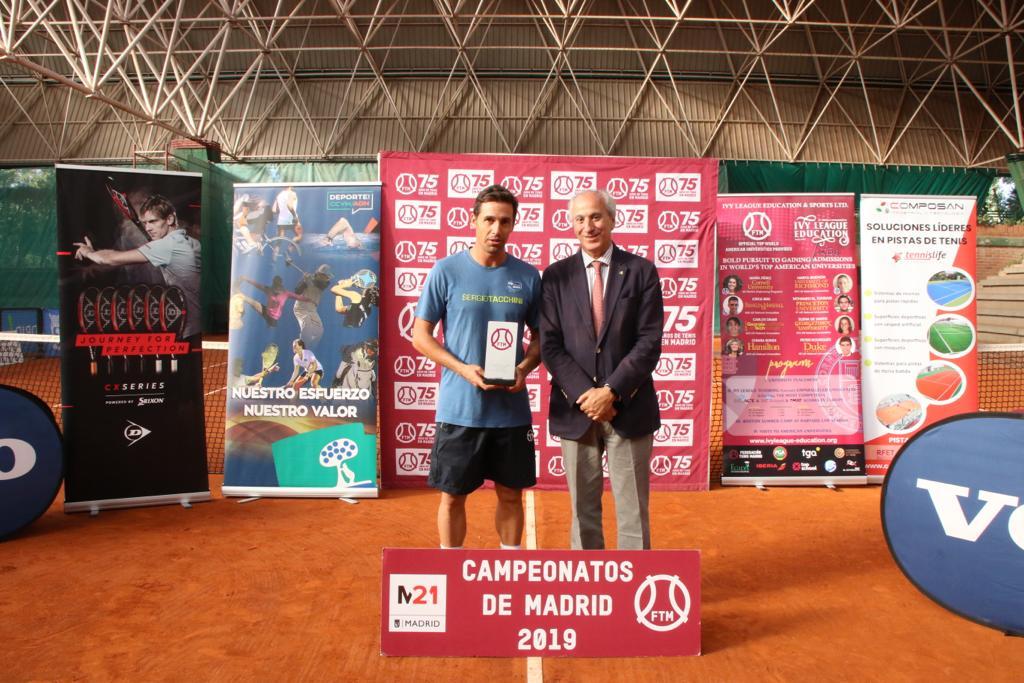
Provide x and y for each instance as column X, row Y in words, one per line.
column 606, row 199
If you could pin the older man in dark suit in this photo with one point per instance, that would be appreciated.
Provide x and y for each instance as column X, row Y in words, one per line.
column 601, row 326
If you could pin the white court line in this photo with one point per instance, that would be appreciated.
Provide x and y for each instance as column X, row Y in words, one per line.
column 534, row 665
column 942, row 337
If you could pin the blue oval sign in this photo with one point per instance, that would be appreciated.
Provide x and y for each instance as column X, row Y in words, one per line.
column 953, row 515
column 31, row 461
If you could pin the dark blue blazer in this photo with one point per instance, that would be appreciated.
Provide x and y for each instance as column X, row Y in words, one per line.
column 623, row 354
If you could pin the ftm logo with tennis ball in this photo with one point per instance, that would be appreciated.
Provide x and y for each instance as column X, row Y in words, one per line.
column 337, row 457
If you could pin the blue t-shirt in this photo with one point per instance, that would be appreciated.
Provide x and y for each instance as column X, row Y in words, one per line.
column 464, row 296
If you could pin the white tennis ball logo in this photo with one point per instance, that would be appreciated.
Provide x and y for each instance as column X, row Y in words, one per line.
column 757, row 226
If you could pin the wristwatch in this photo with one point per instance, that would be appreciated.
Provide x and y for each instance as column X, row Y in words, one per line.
column 610, row 388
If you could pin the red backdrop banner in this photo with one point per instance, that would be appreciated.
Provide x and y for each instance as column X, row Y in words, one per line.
column 665, row 212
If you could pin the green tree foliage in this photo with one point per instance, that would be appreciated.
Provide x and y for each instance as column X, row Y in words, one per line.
column 28, row 238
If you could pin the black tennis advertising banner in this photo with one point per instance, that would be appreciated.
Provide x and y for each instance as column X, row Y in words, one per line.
column 131, row 349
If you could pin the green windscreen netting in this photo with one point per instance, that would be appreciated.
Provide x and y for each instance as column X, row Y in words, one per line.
column 28, row 238
column 742, row 177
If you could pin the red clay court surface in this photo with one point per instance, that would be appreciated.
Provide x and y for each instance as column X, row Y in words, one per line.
column 891, row 414
column 797, row 586
column 941, row 385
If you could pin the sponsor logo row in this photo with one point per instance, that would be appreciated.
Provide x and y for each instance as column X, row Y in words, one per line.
column 418, row 214
column 415, row 462
column 466, row 183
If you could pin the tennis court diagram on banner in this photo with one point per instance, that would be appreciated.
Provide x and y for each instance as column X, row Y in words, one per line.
column 302, row 361
column 664, row 212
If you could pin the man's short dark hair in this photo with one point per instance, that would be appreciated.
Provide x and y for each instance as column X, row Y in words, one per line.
column 158, row 204
column 846, row 340
column 843, row 296
column 495, row 193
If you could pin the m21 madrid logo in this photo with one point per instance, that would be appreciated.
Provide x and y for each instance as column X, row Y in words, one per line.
column 953, row 509
column 417, row 603
column 31, row 463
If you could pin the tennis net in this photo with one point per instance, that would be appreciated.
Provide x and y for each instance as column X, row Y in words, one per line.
column 32, row 362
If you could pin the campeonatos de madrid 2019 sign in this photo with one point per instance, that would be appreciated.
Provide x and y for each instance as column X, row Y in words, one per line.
column 547, row 603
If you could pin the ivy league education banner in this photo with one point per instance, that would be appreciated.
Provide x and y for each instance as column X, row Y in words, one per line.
column 302, row 360
column 131, row 349
column 790, row 339
column 664, row 212
column 918, row 256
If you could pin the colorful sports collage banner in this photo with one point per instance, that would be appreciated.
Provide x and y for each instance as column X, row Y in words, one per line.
column 918, row 257
column 665, row 213
column 131, row 351
column 791, row 382
column 303, row 341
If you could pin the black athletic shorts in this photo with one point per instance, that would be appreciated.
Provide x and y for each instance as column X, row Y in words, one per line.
column 463, row 457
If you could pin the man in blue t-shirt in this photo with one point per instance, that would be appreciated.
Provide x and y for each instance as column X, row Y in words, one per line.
column 483, row 430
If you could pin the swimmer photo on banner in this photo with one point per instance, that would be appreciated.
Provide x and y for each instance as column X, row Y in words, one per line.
column 919, row 294
column 129, row 259
column 303, row 341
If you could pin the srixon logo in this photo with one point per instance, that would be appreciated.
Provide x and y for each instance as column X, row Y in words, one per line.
column 953, row 515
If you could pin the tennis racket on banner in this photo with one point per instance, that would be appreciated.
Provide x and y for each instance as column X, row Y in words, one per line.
column 172, row 316
column 105, row 317
column 123, row 206
column 120, row 315
column 153, row 319
column 87, row 320
column 269, row 359
column 137, row 314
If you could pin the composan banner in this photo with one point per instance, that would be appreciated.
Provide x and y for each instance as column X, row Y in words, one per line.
column 790, row 339
column 665, row 212
column 131, row 348
column 302, row 359
column 496, row 603
column 918, row 258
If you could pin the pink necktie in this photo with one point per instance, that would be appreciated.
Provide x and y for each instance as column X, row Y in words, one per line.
column 597, row 298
